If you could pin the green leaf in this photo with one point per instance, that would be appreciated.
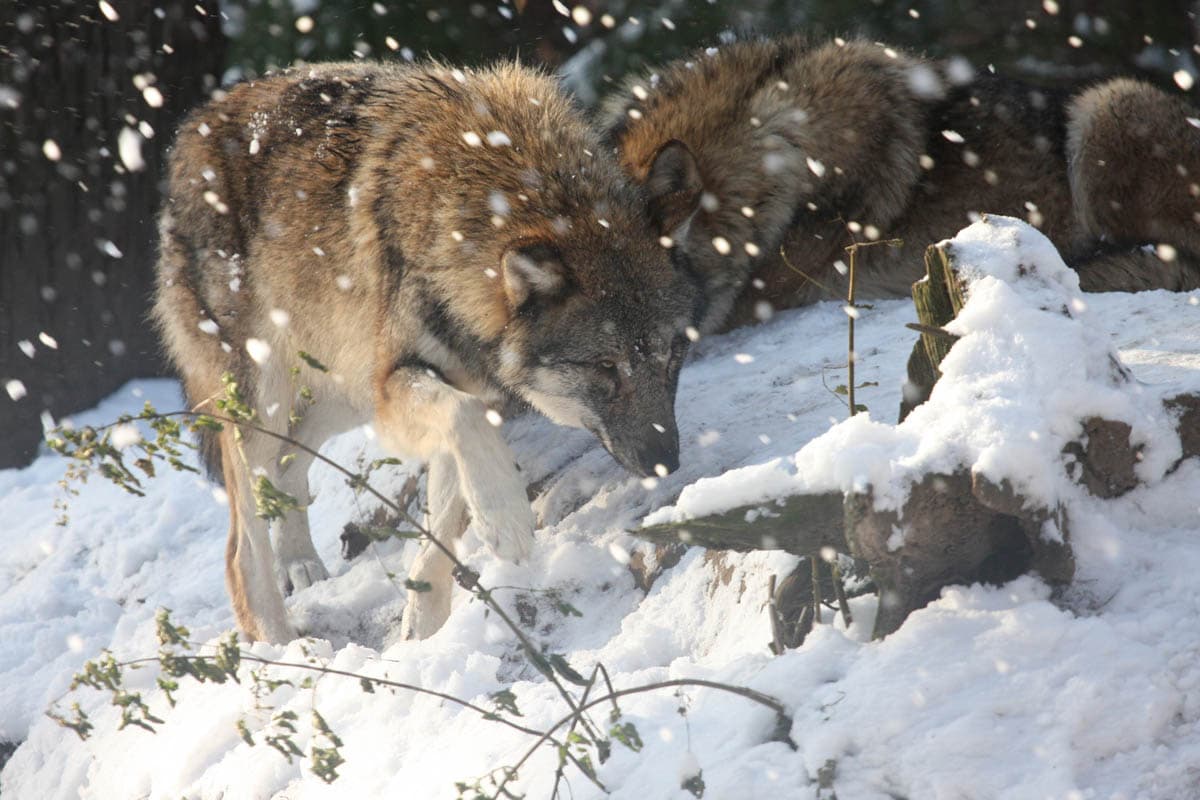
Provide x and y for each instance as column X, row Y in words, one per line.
column 566, row 609
column 584, row 762
column 207, row 422
column 539, row 661
column 324, row 761
column 323, row 728
column 78, row 723
column 168, row 686
column 269, row 502
column 505, row 700
column 627, row 734
column 566, row 670
column 169, row 633
column 381, row 462
column 381, row 533
column 229, row 656
column 312, row 362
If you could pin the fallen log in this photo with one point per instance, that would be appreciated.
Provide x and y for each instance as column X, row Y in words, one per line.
column 800, row 524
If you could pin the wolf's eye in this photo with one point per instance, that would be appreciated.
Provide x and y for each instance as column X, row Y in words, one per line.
column 607, row 364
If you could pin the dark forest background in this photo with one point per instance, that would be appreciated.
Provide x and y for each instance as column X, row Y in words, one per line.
column 80, row 79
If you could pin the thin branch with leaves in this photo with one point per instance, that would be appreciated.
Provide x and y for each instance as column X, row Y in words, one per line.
column 93, row 449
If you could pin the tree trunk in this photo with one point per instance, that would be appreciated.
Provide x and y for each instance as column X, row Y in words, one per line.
column 77, row 236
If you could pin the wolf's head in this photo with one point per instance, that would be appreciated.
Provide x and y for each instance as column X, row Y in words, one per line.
column 598, row 333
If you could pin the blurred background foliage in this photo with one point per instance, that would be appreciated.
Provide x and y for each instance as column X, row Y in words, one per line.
column 85, row 85
column 596, row 41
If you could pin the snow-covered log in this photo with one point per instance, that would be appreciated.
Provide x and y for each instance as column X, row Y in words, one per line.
column 800, row 524
column 1027, row 409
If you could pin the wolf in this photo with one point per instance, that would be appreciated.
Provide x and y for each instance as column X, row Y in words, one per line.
column 765, row 158
column 418, row 247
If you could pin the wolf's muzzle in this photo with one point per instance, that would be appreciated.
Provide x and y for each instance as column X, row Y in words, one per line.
column 659, row 458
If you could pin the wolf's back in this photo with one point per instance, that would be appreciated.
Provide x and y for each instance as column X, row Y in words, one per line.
column 222, row 171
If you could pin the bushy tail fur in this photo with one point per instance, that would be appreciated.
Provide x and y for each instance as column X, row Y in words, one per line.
column 178, row 311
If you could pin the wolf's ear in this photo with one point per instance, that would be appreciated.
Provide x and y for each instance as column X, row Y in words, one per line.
column 673, row 186
column 531, row 270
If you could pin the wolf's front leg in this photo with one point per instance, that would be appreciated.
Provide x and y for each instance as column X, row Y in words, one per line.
column 418, row 413
column 428, row 610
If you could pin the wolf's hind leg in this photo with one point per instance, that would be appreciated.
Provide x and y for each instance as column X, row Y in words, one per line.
column 428, row 610
column 297, row 559
column 249, row 559
column 418, row 413
column 1134, row 163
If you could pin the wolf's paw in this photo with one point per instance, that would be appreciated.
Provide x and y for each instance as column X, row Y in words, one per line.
column 300, row 573
column 425, row 613
column 271, row 628
column 507, row 527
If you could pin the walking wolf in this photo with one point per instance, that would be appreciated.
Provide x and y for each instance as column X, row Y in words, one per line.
column 443, row 241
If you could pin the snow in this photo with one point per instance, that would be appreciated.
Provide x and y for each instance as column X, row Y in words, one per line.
column 129, row 147
column 989, row 692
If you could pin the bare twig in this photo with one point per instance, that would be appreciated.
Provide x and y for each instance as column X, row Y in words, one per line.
column 931, row 330
column 777, row 645
column 815, row 562
column 783, row 720
column 326, row 670
column 852, row 312
column 803, row 274
column 558, row 772
column 840, row 590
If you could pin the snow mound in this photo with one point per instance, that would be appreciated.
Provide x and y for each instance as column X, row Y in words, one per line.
column 1032, row 363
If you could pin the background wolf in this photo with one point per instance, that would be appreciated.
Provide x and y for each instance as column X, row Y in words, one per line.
column 441, row 240
column 771, row 145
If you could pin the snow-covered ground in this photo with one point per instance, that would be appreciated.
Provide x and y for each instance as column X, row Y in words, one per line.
column 987, row 693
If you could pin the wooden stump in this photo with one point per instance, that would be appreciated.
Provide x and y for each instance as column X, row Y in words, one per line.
column 938, row 297
column 953, row 529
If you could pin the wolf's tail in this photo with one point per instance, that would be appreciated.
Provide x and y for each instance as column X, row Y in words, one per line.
column 196, row 354
column 210, row 452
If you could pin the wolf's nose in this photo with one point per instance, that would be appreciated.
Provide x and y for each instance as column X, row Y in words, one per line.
column 659, row 460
